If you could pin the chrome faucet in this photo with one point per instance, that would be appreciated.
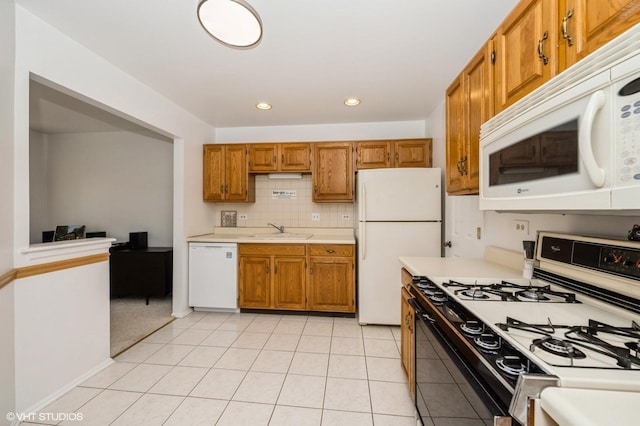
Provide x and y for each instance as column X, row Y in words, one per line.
column 279, row 228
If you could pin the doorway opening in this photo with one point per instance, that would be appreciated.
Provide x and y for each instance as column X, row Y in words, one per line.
column 89, row 167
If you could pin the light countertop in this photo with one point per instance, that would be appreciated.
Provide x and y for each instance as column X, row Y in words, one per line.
column 587, row 407
column 502, row 265
column 271, row 236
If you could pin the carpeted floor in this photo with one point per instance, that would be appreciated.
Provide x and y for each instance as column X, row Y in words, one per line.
column 132, row 320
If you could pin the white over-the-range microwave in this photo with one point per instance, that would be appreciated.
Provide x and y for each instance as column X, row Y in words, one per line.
column 572, row 144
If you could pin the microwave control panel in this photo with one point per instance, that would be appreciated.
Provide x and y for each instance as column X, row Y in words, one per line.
column 627, row 119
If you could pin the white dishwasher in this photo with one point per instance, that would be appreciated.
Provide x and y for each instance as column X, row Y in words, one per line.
column 213, row 276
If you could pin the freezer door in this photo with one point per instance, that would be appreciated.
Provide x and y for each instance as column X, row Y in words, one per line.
column 410, row 194
column 379, row 246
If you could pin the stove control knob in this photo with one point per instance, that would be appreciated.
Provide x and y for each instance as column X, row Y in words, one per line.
column 512, row 361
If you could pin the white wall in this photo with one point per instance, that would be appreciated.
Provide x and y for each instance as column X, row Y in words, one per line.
column 118, row 182
column 82, row 73
column 323, row 132
column 463, row 216
column 7, row 320
column 62, row 323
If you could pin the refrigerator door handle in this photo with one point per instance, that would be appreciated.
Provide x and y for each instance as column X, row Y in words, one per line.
column 363, row 203
column 363, row 240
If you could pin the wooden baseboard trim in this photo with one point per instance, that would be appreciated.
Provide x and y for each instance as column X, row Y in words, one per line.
column 7, row 277
column 44, row 268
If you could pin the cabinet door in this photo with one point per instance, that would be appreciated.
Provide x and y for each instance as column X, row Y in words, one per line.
column 525, row 57
column 373, row 155
column 255, row 282
column 289, row 283
column 332, row 172
column 213, row 173
column 407, row 343
column 455, row 135
column 331, row 285
column 587, row 25
column 236, row 174
column 295, row 157
column 263, row 157
column 478, row 90
column 412, row 153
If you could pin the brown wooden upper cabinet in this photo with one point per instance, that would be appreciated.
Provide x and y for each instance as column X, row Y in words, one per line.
column 332, row 172
column 525, row 55
column 393, row 153
column 279, row 157
column 587, row 25
column 225, row 174
column 541, row 38
column 468, row 105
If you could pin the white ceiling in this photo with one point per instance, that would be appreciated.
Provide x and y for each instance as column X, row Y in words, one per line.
column 398, row 56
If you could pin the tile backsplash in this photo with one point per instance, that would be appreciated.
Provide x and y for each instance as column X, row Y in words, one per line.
column 291, row 206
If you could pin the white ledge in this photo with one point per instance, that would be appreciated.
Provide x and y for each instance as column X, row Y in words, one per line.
column 62, row 250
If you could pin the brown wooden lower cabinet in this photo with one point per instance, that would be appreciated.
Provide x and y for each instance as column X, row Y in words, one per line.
column 304, row 277
column 407, row 339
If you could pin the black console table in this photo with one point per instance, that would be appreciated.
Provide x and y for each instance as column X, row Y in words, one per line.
column 142, row 272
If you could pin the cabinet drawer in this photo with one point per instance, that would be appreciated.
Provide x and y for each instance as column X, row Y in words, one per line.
column 272, row 249
column 343, row 250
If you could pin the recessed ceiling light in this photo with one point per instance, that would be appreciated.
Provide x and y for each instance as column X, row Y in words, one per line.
column 352, row 102
column 263, row 105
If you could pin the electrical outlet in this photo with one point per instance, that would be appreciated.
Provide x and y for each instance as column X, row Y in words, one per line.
column 522, row 226
column 346, row 216
column 243, row 216
column 315, row 216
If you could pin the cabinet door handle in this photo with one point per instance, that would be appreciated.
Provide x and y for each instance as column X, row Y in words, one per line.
column 226, row 189
column 541, row 55
column 565, row 33
column 222, row 189
column 315, row 188
column 465, row 170
column 275, row 159
column 275, row 269
column 282, row 158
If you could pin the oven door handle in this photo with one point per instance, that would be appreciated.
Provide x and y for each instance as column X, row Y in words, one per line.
column 420, row 312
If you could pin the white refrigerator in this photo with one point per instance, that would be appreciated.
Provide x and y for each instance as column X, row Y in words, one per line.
column 398, row 214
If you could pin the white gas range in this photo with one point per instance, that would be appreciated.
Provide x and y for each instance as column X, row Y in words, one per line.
column 574, row 325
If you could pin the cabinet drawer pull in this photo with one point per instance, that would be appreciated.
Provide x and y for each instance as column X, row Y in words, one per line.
column 330, row 251
column 266, row 269
column 541, row 55
column 565, row 33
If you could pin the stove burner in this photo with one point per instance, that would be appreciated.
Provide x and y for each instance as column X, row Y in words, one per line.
column 438, row 297
column 488, row 342
column 472, row 327
column 558, row 347
column 475, row 293
column 533, row 294
column 511, row 365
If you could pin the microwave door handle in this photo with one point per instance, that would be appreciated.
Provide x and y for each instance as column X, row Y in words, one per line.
column 595, row 172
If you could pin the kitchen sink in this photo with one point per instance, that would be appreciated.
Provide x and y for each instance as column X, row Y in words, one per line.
column 280, row 236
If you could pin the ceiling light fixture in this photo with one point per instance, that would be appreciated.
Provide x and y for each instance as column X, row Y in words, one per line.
column 232, row 22
column 351, row 102
column 263, row 105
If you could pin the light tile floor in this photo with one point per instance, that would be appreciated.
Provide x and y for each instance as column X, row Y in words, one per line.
column 250, row 369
